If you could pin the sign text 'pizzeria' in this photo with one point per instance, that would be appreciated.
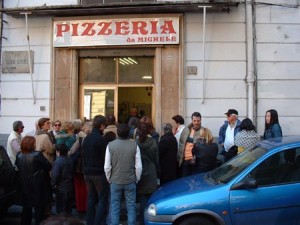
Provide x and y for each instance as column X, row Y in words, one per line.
column 129, row 31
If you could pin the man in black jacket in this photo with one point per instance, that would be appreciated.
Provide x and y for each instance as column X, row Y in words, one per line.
column 93, row 153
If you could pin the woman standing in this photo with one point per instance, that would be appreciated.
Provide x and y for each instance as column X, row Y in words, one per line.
column 76, row 154
column 206, row 151
column 150, row 159
column 246, row 138
column 33, row 170
column 272, row 127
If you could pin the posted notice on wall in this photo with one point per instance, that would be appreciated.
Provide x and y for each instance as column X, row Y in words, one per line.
column 126, row 31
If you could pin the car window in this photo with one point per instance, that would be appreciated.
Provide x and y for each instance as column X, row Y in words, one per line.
column 232, row 168
column 280, row 168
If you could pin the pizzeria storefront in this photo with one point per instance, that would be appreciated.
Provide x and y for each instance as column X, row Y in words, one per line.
column 107, row 65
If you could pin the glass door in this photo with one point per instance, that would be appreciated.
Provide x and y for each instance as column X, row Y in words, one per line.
column 98, row 101
column 109, row 83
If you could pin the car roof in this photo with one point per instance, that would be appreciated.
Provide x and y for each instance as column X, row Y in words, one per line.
column 282, row 141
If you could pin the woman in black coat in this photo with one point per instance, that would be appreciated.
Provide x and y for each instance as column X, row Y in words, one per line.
column 167, row 148
column 206, row 152
column 34, row 181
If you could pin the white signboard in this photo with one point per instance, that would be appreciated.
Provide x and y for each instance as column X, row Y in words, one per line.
column 129, row 31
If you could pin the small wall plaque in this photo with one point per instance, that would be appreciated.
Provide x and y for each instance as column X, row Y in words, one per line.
column 16, row 62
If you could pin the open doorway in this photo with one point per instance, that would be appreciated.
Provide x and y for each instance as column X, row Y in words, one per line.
column 137, row 97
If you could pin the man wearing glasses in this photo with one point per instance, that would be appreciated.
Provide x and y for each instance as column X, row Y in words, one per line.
column 14, row 141
column 228, row 131
column 56, row 125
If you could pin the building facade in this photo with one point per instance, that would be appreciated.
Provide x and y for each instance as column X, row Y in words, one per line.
column 162, row 57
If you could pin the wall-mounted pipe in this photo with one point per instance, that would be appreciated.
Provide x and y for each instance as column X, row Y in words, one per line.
column 250, row 78
column 29, row 54
column 203, row 50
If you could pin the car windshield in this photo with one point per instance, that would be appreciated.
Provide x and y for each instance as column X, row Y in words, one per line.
column 232, row 168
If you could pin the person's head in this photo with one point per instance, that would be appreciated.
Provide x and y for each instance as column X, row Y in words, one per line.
column 178, row 120
column 44, row 123
column 110, row 136
column 56, row 125
column 111, row 119
column 68, row 126
column 123, row 131
column 247, row 124
column 196, row 120
column 144, row 129
column 87, row 127
column 77, row 126
column 62, row 149
column 167, row 128
column 133, row 111
column 232, row 115
column 271, row 117
column 206, row 135
column 18, row 126
column 99, row 122
column 148, row 120
column 28, row 144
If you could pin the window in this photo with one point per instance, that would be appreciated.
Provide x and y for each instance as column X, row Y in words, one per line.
column 280, row 168
column 129, row 70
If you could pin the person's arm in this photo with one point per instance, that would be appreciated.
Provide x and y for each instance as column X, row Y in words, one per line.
column 107, row 164
column 74, row 147
column 138, row 164
column 276, row 131
column 55, row 174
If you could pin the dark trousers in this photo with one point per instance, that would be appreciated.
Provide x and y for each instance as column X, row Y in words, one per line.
column 97, row 205
column 27, row 215
column 64, row 200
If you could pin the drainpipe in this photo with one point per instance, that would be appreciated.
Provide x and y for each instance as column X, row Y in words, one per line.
column 203, row 51
column 29, row 55
column 250, row 78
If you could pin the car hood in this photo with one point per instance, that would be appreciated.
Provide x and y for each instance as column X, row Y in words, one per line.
column 186, row 185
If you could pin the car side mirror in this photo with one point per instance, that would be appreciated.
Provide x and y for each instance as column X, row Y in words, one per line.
column 248, row 183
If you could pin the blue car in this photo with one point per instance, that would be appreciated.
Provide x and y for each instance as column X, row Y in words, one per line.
column 258, row 187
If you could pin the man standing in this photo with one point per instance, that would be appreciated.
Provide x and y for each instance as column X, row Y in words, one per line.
column 123, row 169
column 228, row 131
column 167, row 148
column 14, row 141
column 93, row 155
column 187, row 139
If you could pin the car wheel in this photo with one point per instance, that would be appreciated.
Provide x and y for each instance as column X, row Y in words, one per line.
column 196, row 220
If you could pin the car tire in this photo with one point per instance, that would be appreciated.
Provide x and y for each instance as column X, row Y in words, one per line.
column 196, row 220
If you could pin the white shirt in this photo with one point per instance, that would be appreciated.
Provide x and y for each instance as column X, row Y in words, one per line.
column 229, row 137
column 178, row 133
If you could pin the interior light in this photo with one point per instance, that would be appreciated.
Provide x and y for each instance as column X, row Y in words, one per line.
column 123, row 61
column 127, row 60
column 132, row 60
column 147, row 77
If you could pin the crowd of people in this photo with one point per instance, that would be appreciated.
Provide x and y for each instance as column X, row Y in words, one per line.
column 96, row 164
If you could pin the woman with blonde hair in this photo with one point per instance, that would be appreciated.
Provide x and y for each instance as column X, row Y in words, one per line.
column 205, row 150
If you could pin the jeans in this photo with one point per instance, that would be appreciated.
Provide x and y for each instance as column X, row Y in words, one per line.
column 97, row 205
column 143, row 199
column 116, row 191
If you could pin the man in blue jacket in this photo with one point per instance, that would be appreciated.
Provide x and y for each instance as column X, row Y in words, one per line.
column 228, row 130
column 93, row 155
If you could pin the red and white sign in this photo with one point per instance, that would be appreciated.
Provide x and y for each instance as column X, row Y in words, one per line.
column 129, row 31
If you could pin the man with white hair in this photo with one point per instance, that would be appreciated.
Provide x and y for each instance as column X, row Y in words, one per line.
column 228, row 130
column 14, row 141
